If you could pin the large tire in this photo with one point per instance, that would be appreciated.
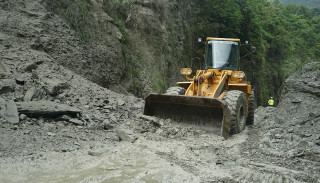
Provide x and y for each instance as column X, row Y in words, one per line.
column 237, row 104
column 175, row 90
column 252, row 107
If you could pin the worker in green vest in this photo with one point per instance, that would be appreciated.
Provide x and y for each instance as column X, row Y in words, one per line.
column 271, row 102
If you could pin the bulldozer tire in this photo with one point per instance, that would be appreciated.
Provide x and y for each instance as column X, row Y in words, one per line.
column 237, row 104
column 175, row 90
column 250, row 119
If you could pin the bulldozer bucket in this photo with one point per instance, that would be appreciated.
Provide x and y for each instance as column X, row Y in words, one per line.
column 209, row 114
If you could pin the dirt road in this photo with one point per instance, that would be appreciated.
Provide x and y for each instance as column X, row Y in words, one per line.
column 126, row 146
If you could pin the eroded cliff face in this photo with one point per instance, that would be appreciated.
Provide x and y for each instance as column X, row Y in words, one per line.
column 127, row 46
column 154, row 43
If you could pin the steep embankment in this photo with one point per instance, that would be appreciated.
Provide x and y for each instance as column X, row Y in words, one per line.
column 134, row 46
column 139, row 55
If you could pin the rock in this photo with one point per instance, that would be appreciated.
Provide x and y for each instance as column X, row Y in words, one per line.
column 30, row 66
column 219, row 162
column 10, row 112
column 97, row 117
column 33, row 93
column 23, row 117
column 302, row 145
column 64, row 118
column 3, row 71
column 313, row 115
column 7, row 85
column 318, row 142
column 307, row 134
column 107, row 107
column 105, row 101
column 2, row 106
column 278, row 136
column 20, row 81
column 256, row 164
column 54, row 87
column 296, row 101
column 76, row 121
column 121, row 102
column 154, row 121
column 126, row 135
column 107, row 125
column 46, row 109
column 51, row 134
column 94, row 153
column 290, row 130
column 113, row 118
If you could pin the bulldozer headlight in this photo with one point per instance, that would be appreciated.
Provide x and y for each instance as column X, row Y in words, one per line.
column 235, row 74
column 186, row 71
column 238, row 74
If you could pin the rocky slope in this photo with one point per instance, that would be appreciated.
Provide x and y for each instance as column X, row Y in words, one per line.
column 84, row 38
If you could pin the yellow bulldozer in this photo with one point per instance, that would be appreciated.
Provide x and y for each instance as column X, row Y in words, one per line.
column 217, row 98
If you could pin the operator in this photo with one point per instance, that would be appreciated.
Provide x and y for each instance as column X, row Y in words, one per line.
column 271, row 102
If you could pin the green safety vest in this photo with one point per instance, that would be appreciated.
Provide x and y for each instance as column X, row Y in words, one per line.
column 271, row 102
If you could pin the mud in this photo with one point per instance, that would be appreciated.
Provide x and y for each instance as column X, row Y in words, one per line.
column 52, row 150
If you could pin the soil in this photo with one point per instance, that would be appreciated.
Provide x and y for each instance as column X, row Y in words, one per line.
column 116, row 143
column 112, row 141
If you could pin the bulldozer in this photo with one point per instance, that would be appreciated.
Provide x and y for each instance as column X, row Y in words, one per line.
column 217, row 98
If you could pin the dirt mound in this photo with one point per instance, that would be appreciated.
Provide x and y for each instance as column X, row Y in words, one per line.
column 288, row 133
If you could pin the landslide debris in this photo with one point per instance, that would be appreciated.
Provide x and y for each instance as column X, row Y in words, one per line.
column 289, row 133
column 106, row 138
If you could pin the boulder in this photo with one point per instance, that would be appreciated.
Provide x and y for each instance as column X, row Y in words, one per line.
column 10, row 112
column 76, row 121
column 7, row 85
column 32, row 66
column 94, row 153
column 33, row 93
column 126, row 135
column 20, row 81
column 3, row 71
column 107, row 125
column 23, row 117
column 54, row 87
column 121, row 102
column 46, row 109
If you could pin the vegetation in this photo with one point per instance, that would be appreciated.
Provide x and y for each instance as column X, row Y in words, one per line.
column 307, row 3
column 286, row 36
column 76, row 13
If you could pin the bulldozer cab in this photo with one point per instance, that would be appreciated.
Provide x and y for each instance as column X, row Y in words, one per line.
column 222, row 54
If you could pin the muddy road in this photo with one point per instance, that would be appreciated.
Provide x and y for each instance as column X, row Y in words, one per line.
column 116, row 143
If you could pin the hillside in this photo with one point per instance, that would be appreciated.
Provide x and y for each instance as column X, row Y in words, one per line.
column 139, row 46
